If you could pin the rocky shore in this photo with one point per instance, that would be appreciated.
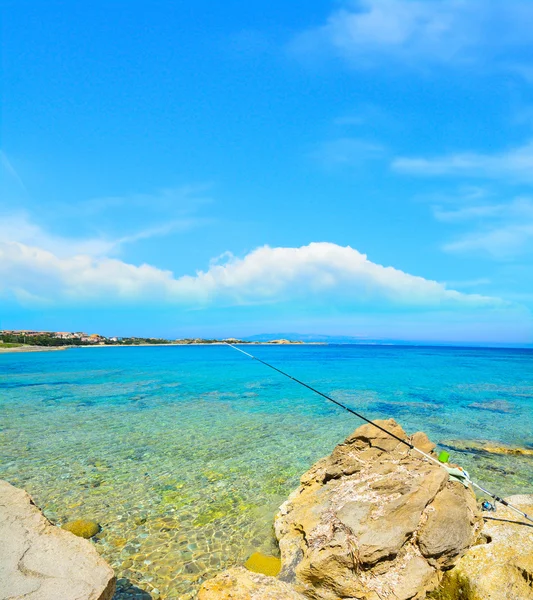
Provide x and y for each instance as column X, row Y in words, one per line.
column 374, row 521
column 371, row 521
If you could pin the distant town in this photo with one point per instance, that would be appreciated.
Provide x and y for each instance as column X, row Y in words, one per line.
column 22, row 337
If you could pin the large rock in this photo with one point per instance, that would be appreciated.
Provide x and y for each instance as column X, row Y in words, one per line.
column 374, row 520
column 241, row 584
column 39, row 561
column 502, row 568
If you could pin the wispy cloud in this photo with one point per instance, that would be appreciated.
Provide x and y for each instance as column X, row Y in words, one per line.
column 103, row 226
column 8, row 168
column 322, row 274
column 503, row 242
column 470, row 283
column 20, row 228
column 515, row 164
column 498, row 229
column 181, row 199
column 420, row 32
column 347, row 151
column 519, row 209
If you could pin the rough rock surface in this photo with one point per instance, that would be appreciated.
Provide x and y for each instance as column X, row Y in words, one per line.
column 502, row 569
column 374, row 520
column 39, row 561
column 240, row 584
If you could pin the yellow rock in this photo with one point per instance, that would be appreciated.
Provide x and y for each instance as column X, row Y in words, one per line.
column 502, row 569
column 508, row 450
column 260, row 563
column 82, row 528
column 239, row 584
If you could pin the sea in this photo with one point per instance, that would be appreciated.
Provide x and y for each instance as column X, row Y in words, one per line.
column 183, row 454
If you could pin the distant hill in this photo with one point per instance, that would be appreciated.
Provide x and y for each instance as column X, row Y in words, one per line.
column 346, row 339
column 308, row 337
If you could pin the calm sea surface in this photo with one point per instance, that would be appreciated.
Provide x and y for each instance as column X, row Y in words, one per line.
column 183, row 454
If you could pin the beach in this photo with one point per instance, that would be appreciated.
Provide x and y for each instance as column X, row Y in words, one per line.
column 184, row 454
column 17, row 349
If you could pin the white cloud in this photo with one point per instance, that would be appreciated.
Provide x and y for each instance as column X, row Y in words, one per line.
column 515, row 165
column 320, row 273
column 420, row 31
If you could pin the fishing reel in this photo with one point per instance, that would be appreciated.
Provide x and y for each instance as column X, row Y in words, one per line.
column 488, row 506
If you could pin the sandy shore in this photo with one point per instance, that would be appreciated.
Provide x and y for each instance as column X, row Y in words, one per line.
column 34, row 349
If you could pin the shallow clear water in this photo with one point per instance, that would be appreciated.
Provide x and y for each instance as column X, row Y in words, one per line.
column 183, row 454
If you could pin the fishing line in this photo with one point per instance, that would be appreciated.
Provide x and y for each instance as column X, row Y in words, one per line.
column 389, row 433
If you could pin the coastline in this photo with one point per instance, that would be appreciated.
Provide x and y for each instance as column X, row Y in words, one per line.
column 58, row 348
column 33, row 349
column 204, row 344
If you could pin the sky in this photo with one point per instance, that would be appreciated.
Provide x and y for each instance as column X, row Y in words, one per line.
column 360, row 168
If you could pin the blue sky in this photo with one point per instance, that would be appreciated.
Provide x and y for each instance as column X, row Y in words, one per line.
column 357, row 168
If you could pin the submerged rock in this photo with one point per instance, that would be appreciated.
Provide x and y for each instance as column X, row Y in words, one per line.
column 266, row 565
column 502, row 568
column 39, row 561
column 82, row 528
column 486, row 447
column 499, row 406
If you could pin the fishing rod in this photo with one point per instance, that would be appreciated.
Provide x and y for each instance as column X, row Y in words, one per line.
column 389, row 433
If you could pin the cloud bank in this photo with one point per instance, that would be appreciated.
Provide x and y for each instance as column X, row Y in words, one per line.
column 320, row 273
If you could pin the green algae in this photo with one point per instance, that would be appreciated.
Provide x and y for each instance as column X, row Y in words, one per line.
column 213, row 476
column 82, row 528
column 454, row 587
column 221, row 507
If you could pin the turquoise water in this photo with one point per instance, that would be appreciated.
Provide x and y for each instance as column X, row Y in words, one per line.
column 183, row 454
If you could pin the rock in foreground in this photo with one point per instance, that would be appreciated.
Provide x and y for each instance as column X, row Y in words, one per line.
column 373, row 520
column 41, row 562
column 240, row 584
column 502, row 569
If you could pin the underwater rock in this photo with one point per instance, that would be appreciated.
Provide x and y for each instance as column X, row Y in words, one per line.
column 502, row 568
column 485, row 447
column 240, row 584
column 39, row 561
column 374, row 520
column 82, row 528
column 499, row 406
